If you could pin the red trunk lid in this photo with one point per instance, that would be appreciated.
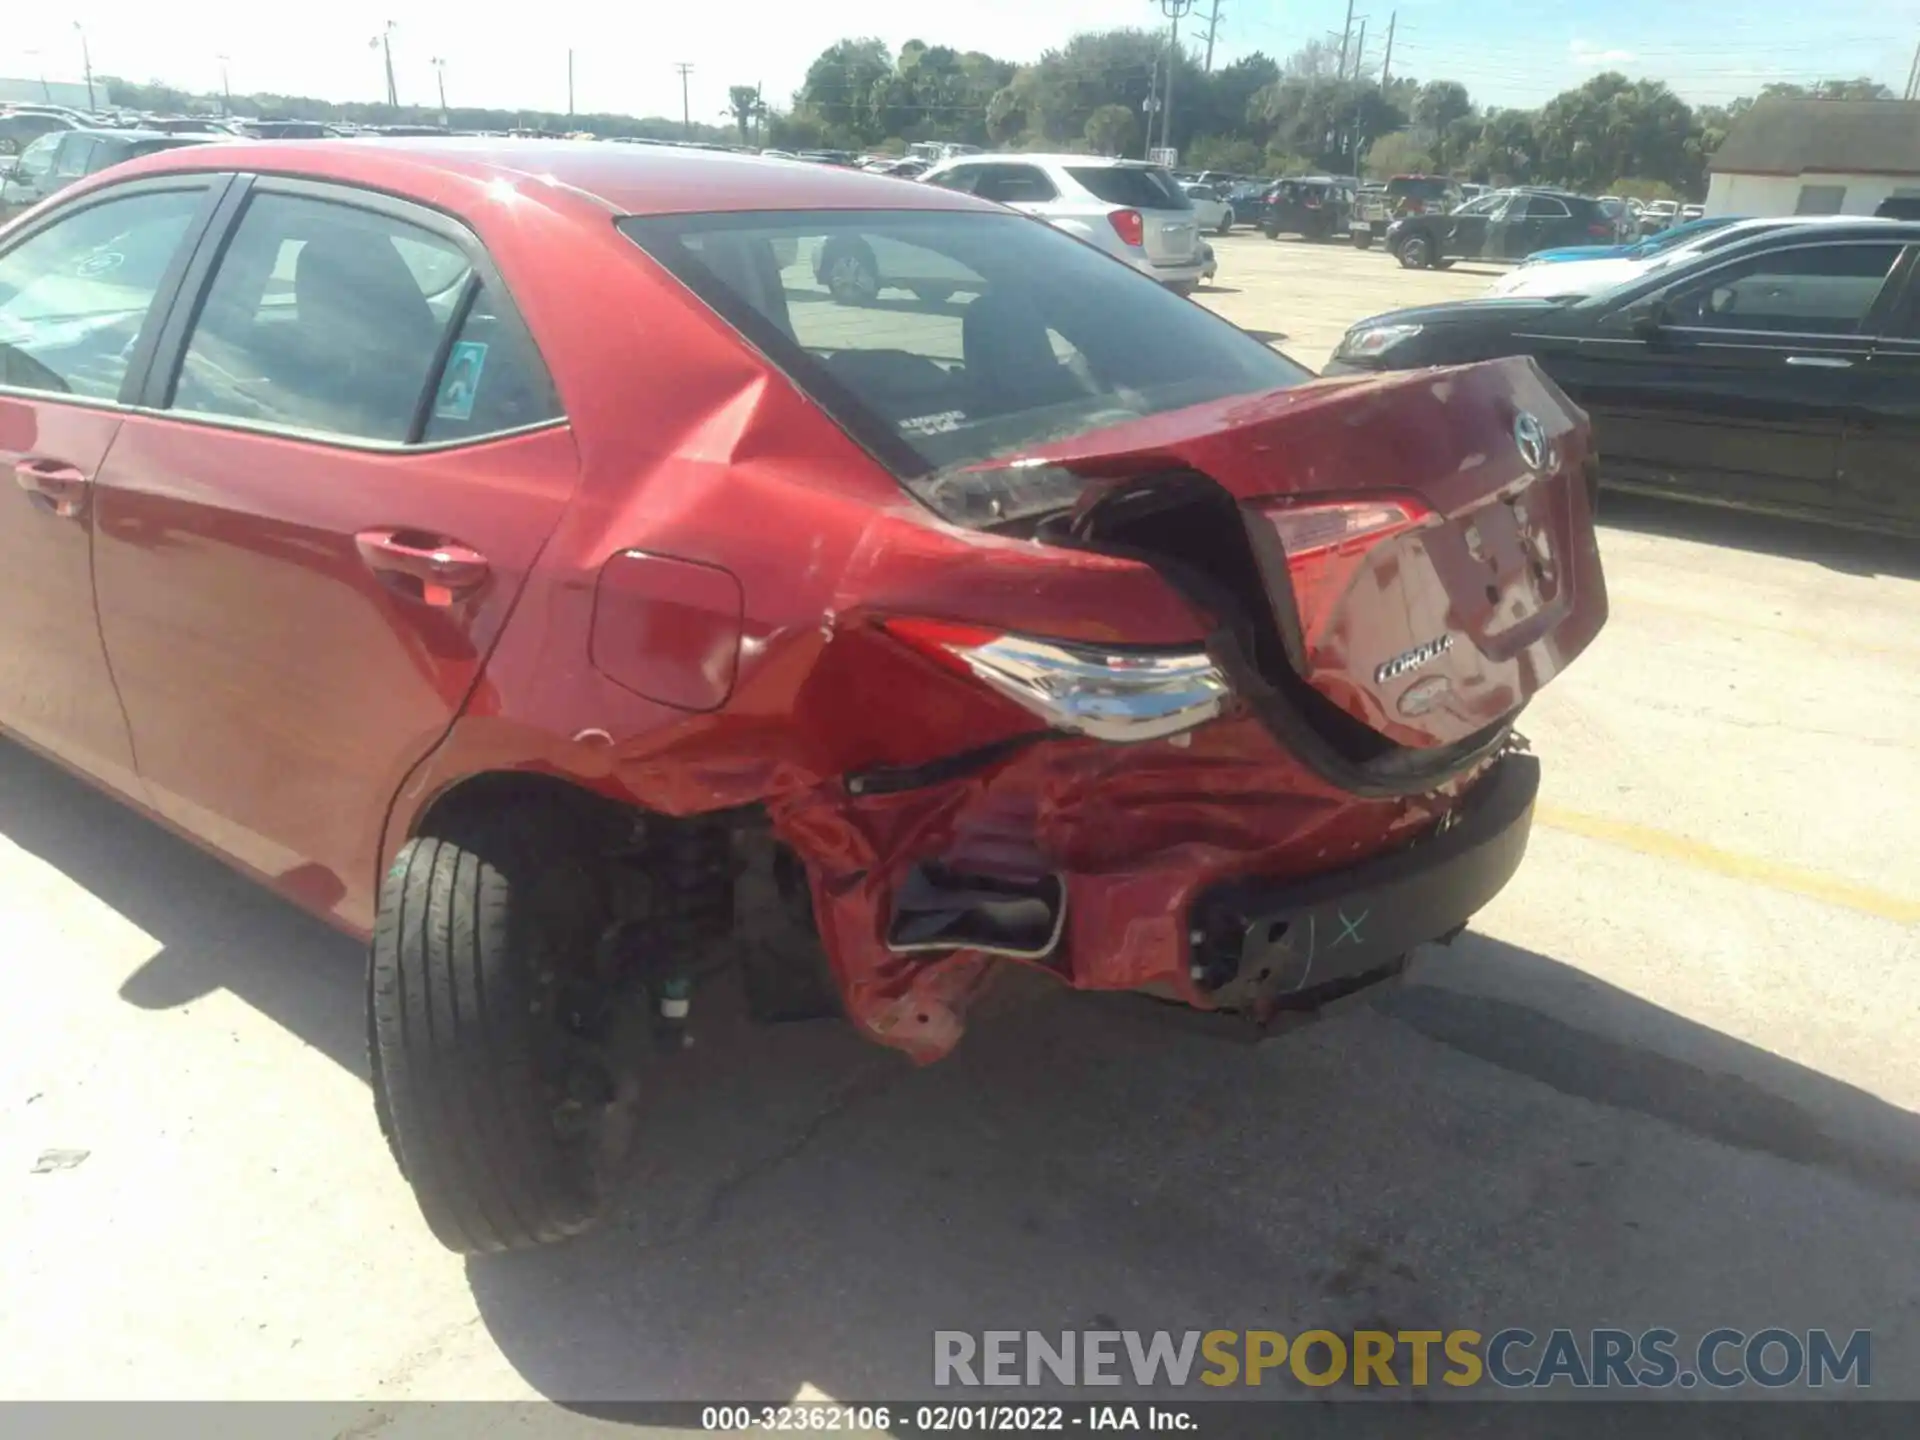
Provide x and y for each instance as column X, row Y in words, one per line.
column 1425, row 538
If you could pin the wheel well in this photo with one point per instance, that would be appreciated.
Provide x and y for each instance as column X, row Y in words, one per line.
column 494, row 789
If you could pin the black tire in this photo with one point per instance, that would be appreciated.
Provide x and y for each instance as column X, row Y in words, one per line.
column 1441, row 262
column 487, row 930
column 1363, row 239
column 1415, row 253
column 1226, row 224
column 1272, row 232
column 850, row 273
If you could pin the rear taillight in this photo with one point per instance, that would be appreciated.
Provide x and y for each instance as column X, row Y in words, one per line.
column 1326, row 543
column 1107, row 694
column 1599, row 231
column 1130, row 226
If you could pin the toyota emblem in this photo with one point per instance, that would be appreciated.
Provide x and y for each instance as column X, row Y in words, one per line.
column 1531, row 438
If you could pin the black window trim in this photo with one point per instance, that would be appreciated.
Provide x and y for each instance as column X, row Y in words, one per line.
column 1871, row 324
column 163, row 375
column 165, row 295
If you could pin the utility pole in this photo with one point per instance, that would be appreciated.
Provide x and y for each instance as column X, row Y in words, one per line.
column 1213, row 26
column 383, row 42
column 1173, row 10
column 686, row 111
column 86, row 64
column 226, row 90
column 1360, row 49
column 1346, row 33
column 569, row 82
column 1386, row 66
column 1913, row 77
column 440, row 78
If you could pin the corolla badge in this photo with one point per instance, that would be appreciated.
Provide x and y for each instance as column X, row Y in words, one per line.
column 1413, row 659
column 1531, row 438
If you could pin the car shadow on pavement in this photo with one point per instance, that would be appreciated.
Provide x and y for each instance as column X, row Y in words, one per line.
column 216, row 929
column 810, row 1212
column 1851, row 552
column 1503, row 1141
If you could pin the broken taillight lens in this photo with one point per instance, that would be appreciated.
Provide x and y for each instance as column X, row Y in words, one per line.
column 1130, row 226
column 1107, row 694
column 1326, row 543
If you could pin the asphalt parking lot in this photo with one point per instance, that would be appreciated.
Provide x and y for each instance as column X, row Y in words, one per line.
column 1668, row 1079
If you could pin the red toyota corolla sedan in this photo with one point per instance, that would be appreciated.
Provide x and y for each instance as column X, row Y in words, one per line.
column 508, row 551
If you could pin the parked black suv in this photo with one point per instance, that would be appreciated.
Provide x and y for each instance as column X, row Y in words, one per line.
column 1506, row 225
column 1315, row 206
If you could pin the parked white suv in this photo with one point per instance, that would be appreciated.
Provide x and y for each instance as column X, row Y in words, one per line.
column 1134, row 212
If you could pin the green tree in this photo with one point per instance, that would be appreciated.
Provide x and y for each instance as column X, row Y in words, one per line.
column 1400, row 153
column 1112, row 130
column 749, row 110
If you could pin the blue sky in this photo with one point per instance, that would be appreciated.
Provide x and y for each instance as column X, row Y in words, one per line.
column 1512, row 53
column 1507, row 53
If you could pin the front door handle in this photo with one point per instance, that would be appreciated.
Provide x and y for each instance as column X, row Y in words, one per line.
column 54, row 486
column 1820, row 362
column 428, row 568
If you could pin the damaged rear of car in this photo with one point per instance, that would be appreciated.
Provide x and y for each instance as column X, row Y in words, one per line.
column 1318, row 777
column 1053, row 622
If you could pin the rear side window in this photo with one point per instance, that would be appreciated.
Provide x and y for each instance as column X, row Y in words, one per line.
column 330, row 319
column 980, row 337
column 1135, row 186
column 1014, row 185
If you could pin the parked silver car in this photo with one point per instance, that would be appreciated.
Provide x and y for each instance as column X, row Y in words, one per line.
column 1133, row 211
column 1210, row 206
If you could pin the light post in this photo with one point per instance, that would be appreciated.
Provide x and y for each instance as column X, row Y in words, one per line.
column 1173, row 10
column 383, row 42
column 440, row 78
column 226, row 90
column 86, row 64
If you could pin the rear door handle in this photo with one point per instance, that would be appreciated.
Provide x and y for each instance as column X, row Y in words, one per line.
column 54, row 486
column 1820, row 362
column 428, row 568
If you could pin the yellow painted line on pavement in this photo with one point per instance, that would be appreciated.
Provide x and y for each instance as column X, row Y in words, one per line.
column 1813, row 884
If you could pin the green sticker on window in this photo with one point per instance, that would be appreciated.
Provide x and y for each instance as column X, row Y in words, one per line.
column 462, row 381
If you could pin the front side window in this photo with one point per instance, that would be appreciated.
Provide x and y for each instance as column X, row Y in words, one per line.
column 1038, row 337
column 1810, row 290
column 322, row 317
column 74, row 295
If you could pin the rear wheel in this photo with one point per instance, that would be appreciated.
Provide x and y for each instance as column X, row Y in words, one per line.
column 1415, row 253
column 491, row 1026
column 1363, row 239
column 1226, row 223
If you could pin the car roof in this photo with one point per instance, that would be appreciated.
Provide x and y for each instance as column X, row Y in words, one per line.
column 115, row 133
column 1028, row 157
column 623, row 179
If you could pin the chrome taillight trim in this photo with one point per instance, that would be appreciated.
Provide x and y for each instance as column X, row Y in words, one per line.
column 1114, row 695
